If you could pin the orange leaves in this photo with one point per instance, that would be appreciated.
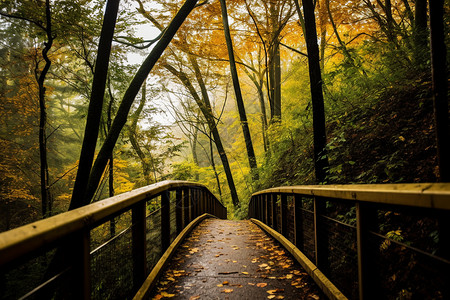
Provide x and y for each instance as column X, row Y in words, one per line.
column 261, row 284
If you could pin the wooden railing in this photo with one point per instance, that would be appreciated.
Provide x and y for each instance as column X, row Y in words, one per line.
column 61, row 256
column 372, row 241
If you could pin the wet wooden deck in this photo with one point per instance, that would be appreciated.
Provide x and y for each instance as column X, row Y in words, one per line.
column 224, row 259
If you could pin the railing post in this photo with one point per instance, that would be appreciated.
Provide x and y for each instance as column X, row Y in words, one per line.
column 366, row 221
column 261, row 208
column 179, row 210
column 321, row 241
column 186, row 219
column 274, row 211
column 202, row 202
column 196, row 201
column 165, row 220
column 266, row 208
column 283, row 213
column 139, row 244
column 298, row 222
column 80, row 247
column 210, row 204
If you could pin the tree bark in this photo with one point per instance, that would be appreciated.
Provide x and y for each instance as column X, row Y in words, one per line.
column 320, row 153
column 420, row 32
column 132, row 136
column 45, row 189
column 440, row 89
column 79, row 197
column 238, row 94
column 130, row 95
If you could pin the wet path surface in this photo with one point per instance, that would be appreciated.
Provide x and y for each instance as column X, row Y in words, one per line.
column 224, row 259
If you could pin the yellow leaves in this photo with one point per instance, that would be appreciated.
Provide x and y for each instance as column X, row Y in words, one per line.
column 227, row 291
column 167, row 295
column 275, row 291
column 163, row 295
column 193, row 250
column 245, row 273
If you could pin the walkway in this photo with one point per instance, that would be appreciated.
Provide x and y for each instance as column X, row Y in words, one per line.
column 224, row 259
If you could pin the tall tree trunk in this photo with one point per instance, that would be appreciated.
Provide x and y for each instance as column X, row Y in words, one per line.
column 112, row 223
column 237, row 90
column 194, row 150
column 259, row 83
column 420, row 32
column 274, row 83
column 213, row 165
column 45, row 189
column 130, row 95
column 132, row 136
column 323, row 31
column 440, row 89
column 205, row 107
column 79, row 197
column 320, row 140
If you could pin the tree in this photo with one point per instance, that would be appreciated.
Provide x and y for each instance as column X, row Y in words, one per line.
column 205, row 106
column 320, row 140
column 276, row 14
column 440, row 89
column 95, row 106
column 127, row 101
column 238, row 94
column 40, row 76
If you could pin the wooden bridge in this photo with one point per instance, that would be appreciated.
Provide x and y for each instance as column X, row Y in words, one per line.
column 304, row 242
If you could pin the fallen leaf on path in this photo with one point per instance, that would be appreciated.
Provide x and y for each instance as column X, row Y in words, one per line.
column 167, row 295
column 261, row 284
column 245, row 273
column 227, row 291
column 194, row 298
column 225, row 283
column 276, row 291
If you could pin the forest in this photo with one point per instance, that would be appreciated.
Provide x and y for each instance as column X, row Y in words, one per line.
column 102, row 97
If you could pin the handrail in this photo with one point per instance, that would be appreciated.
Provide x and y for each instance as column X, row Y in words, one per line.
column 364, row 202
column 192, row 199
column 426, row 195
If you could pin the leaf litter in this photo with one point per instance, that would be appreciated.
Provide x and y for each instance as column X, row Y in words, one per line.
column 260, row 267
